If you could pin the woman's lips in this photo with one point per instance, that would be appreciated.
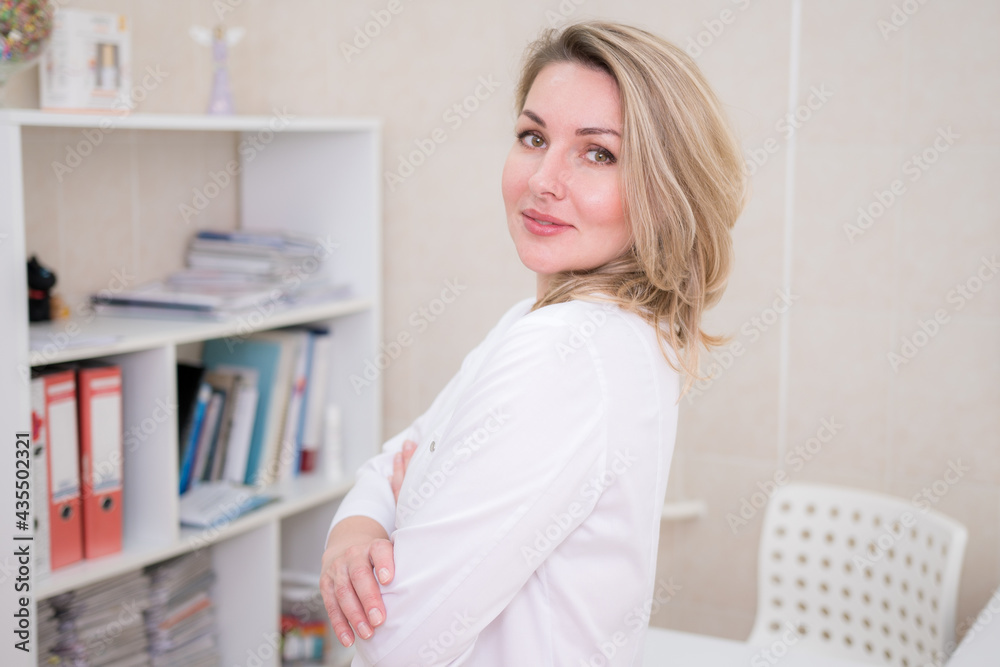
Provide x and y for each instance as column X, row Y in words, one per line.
column 543, row 225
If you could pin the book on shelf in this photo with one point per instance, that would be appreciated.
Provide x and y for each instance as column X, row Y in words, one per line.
column 289, row 451
column 207, row 435
column 192, row 434
column 225, row 384
column 312, row 423
column 237, row 448
column 292, row 369
column 212, row 504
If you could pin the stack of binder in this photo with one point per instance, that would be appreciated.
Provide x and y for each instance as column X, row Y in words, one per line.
column 180, row 621
column 78, row 462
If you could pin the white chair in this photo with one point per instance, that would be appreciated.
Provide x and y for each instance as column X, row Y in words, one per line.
column 857, row 575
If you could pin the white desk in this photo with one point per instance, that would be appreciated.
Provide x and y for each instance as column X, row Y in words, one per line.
column 670, row 648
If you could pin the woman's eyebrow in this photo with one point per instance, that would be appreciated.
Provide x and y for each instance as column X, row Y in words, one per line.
column 583, row 131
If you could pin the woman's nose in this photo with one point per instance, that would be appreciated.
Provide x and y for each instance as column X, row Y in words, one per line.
column 549, row 177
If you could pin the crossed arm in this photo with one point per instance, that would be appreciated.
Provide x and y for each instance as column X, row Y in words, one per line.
column 466, row 548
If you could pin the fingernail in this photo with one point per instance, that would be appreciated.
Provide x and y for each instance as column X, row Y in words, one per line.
column 364, row 631
column 375, row 616
column 398, row 457
column 346, row 639
column 410, row 446
column 383, row 575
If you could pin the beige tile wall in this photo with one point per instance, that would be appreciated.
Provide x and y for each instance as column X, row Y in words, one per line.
column 852, row 302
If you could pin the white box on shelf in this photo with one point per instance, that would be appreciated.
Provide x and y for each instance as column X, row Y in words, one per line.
column 87, row 66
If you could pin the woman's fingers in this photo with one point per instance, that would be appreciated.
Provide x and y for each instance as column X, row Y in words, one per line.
column 399, row 464
column 396, row 481
column 381, row 554
column 370, row 613
column 340, row 625
column 408, row 448
column 351, row 594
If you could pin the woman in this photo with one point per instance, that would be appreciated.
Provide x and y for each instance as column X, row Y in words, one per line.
column 524, row 529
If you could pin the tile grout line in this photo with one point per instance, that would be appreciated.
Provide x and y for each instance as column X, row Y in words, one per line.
column 784, row 352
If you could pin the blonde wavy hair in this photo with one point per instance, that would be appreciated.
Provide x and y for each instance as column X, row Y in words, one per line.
column 683, row 184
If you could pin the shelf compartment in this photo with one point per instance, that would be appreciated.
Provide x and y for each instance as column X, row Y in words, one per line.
column 300, row 494
column 104, row 335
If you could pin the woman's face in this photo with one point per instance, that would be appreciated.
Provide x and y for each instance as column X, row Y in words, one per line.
column 560, row 182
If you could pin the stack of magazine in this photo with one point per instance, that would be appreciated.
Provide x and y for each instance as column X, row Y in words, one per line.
column 229, row 273
column 180, row 621
column 99, row 625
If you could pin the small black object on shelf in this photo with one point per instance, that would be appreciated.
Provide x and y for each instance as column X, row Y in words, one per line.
column 40, row 283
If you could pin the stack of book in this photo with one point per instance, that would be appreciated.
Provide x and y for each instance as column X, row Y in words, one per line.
column 252, row 412
column 180, row 620
column 230, row 273
column 48, row 633
column 99, row 625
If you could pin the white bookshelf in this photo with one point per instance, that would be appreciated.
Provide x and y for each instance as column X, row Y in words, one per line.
column 318, row 176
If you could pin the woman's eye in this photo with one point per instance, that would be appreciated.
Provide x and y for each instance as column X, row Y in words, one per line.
column 601, row 156
column 531, row 140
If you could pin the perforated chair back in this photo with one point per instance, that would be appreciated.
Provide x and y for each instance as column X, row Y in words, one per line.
column 858, row 575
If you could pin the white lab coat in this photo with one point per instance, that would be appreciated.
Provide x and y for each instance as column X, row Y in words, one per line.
column 528, row 522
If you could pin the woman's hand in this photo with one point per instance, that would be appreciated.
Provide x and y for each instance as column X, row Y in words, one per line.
column 399, row 464
column 357, row 548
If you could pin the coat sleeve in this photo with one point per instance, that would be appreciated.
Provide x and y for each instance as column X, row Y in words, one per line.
column 518, row 468
column 371, row 494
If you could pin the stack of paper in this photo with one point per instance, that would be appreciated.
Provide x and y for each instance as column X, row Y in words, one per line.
column 230, row 273
column 181, row 621
column 100, row 625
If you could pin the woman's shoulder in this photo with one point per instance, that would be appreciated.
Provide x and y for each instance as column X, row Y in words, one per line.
column 604, row 327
